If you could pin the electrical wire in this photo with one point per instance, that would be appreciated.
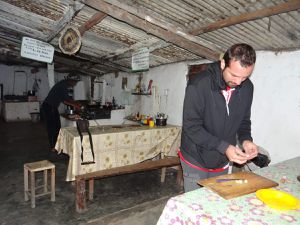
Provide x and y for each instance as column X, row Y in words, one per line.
column 248, row 167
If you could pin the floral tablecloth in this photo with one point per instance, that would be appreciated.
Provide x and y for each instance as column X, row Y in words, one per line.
column 204, row 207
column 116, row 146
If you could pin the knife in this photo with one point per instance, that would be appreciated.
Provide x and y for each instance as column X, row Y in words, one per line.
column 237, row 180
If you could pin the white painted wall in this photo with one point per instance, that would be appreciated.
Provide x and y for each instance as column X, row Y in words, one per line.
column 82, row 89
column 24, row 80
column 168, row 79
column 114, row 88
column 276, row 104
column 169, row 82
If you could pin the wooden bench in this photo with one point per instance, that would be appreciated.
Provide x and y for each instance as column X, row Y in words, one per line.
column 138, row 167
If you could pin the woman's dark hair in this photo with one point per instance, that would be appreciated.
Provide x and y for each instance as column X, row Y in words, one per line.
column 243, row 53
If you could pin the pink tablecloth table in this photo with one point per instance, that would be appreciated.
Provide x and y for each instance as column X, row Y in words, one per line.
column 203, row 206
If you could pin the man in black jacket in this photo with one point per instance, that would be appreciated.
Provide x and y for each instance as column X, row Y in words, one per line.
column 57, row 95
column 216, row 112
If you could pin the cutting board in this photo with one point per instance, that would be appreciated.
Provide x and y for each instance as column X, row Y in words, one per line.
column 232, row 189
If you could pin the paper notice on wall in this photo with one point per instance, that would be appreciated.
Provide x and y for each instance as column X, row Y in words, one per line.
column 140, row 60
column 37, row 50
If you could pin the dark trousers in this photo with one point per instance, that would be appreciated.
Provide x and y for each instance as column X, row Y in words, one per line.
column 191, row 176
column 52, row 120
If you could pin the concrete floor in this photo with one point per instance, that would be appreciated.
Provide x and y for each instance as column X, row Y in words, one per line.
column 127, row 199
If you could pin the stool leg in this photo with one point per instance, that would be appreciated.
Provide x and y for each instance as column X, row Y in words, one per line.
column 53, row 184
column 26, row 189
column 45, row 181
column 32, row 189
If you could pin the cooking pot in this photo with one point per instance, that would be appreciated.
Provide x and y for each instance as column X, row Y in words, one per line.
column 161, row 122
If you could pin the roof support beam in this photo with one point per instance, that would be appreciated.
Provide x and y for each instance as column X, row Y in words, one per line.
column 94, row 20
column 156, row 44
column 84, row 63
column 111, row 65
column 68, row 16
column 145, row 43
column 148, row 27
column 143, row 14
column 269, row 11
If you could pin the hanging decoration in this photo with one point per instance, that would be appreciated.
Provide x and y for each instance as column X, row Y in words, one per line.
column 70, row 40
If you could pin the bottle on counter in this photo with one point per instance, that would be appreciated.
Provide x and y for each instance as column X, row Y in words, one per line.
column 114, row 103
column 137, row 116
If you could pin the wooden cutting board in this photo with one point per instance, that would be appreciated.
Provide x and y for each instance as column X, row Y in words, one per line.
column 232, row 189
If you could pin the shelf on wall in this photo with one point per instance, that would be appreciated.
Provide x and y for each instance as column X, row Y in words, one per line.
column 136, row 93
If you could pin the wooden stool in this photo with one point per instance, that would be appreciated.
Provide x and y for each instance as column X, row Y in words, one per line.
column 44, row 165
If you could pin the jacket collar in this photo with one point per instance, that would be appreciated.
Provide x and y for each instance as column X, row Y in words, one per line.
column 216, row 73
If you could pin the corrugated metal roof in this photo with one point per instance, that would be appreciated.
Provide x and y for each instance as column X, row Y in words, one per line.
column 173, row 30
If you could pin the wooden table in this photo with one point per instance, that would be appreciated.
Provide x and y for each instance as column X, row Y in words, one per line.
column 118, row 150
column 204, row 206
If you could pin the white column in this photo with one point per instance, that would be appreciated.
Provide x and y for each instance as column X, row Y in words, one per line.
column 51, row 74
column 79, row 91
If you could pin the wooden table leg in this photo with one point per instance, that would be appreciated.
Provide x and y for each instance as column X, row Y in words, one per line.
column 163, row 174
column 179, row 177
column 163, row 170
column 80, row 196
column 91, row 189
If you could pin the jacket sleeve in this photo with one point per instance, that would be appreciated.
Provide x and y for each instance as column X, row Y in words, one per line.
column 244, row 131
column 193, row 121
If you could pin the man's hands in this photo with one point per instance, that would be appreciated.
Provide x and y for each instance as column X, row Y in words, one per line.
column 250, row 148
column 75, row 104
column 236, row 155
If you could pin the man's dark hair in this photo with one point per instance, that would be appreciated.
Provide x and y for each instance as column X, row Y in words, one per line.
column 243, row 53
column 73, row 76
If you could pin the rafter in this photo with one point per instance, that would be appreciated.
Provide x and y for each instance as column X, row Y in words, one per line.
column 148, row 27
column 145, row 43
column 143, row 14
column 153, row 45
column 84, row 63
column 269, row 11
column 94, row 20
column 68, row 16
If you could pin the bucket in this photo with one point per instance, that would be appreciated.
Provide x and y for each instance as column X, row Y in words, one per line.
column 35, row 117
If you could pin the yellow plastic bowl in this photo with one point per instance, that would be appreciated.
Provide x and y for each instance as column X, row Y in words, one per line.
column 278, row 199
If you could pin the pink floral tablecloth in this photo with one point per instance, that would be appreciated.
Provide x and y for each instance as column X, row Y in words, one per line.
column 204, row 207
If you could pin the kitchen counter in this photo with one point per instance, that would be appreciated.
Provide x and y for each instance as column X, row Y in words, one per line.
column 19, row 110
column 117, row 117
